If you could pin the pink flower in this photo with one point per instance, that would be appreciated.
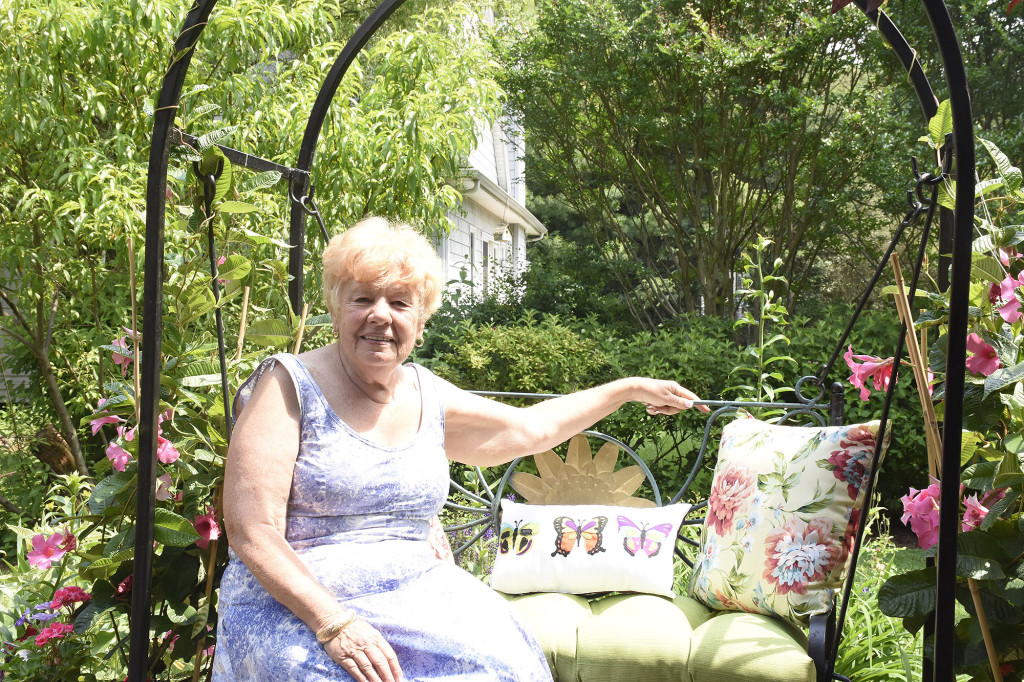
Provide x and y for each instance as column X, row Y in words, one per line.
column 55, row 631
column 876, row 369
column 69, row 595
column 221, row 261
column 127, row 434
column 850, row 463
column 1009, row 305
column 123, row 358
column 974, row 514
column 799, row 553
column 98, row 423
column 1006, row 254
column 124, row 588
column 165, row 451
column 729, row 494
column 921, row 510
column 984, row 361
column 163, row 487
column 118, row 456
column 206, row 526
column 70, row 542
column 46, row 550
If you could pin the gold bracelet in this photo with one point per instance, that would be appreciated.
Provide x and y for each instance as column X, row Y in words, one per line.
column 334, row 628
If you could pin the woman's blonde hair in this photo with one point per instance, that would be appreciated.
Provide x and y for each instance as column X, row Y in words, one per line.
column 378, row 252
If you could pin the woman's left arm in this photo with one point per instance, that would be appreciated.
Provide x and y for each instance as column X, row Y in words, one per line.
column 485, row 432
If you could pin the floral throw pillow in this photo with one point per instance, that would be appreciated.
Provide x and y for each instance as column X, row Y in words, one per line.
column 782, row 516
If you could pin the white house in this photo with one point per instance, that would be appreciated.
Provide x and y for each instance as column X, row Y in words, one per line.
column 493, row 225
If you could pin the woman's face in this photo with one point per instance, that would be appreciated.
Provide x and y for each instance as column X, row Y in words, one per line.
column 378, row 326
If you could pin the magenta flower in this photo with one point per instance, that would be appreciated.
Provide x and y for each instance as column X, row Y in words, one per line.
column 46, row 550
column 206, row 526
column 67, row 596
column 55, row 631
column 984, row 361
column 921, row 510
column 220, row 262
column 69, row 542
column 1007, row 254
column 163, row 487
column 98, row 423
column 127, row 434
column 165, row 451
column 118, row 456
column 870, row 367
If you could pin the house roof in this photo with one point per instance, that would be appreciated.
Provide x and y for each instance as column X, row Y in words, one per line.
column 480, row 189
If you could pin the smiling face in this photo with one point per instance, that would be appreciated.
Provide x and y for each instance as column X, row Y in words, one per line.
column 377, row 326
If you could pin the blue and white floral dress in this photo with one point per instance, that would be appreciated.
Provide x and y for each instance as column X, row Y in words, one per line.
column 359, row 516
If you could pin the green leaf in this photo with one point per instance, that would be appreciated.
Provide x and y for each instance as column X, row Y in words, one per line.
column 270, row 332
column 213, row 137
column 235, row 207
column 172, row 529
column 999, row 508
column 105, row 491
column 979, row 556
column 940, row 124
column 1011, row 174
column 986, row 266
column 1009, row 472
column 260, row 181
column 969, row 441
column 235, row 267
column 908, row 595
column 946, row 196
column 200, row 380
column 180, row 614
column 122, row 542
column 1003, row 377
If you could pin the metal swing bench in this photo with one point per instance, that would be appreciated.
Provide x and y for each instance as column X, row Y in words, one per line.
column 813, row 654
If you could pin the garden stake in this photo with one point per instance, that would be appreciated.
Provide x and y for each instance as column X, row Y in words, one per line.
column 934, row 441
column 241, row 325
column 302, row 329
column 209, row 590
column 932, row 436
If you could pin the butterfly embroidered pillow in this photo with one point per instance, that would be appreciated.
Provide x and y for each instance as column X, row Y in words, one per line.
column 583, row 549
column 781, row 517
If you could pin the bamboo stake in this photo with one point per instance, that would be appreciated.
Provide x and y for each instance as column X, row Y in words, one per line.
column 201, row 644
column 241, row 325
column 302, row 329
column 931, row 424
column 934, row 441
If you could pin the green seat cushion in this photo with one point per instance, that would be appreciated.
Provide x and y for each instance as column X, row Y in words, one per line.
column 733, row 646
column 651, row 638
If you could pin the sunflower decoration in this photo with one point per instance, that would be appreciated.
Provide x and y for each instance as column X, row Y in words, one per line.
column 582, row 478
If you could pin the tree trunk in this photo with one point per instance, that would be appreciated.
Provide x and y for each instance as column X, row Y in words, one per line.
column 67, row 427
column 52, row 449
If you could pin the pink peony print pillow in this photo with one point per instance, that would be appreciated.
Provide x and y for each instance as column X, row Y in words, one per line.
column 781, row 517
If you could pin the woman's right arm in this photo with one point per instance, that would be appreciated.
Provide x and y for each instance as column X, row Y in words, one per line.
column 257, row 482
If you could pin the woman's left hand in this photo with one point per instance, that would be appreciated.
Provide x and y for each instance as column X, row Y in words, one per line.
column 665, row 397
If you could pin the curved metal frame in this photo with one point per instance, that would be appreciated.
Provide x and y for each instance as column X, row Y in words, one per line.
column 300, row 186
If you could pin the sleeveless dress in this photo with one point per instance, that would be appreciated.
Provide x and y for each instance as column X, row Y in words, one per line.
column 359, row 516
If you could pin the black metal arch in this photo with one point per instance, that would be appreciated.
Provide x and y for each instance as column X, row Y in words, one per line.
column 300, row 188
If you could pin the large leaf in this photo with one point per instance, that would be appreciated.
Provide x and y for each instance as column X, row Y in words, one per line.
column 940, row 124
column 1001, row 378
column 1009, row 472
column 910, row 594
column 271, row 332
column 235, row 267
column 172, row 529
column 1011, row 174
column 979, row 556
column 104, row 491
column 986, row 266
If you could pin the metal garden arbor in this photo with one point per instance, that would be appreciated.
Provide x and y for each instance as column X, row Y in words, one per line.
column 958, row 235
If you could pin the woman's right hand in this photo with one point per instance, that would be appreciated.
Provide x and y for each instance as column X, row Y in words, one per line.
column 364, row 654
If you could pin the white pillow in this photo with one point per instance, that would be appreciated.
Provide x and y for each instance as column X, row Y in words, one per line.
column 586, row 548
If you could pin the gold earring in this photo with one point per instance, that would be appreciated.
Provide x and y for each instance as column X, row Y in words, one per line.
column 419, row 342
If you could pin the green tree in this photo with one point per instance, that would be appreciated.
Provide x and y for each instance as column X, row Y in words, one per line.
column 679, row 130
column 79, row 77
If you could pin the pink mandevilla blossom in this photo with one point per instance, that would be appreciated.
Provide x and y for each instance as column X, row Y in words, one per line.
column 69, row 542
column 732, row 489
column 870, row 367
column 206, row 526
column 98, row 423
column 55, row 631
column 1007, row 254
column 1009, row 304
column 123, row 358
column 165, row 451
column 127, row 434
column 46, row 550
column 921, row 513
column 163, row 487
column 976, row 510
column 984, row 361
column 118, row 456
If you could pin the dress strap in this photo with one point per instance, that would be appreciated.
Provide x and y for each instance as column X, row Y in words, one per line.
column 295, row 369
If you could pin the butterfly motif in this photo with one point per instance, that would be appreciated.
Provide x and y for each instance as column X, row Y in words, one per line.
column 572, row 533
column 518, row 539
column 641, row 538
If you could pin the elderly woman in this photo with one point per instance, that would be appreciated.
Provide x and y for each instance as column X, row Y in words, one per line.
column 339, row 460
